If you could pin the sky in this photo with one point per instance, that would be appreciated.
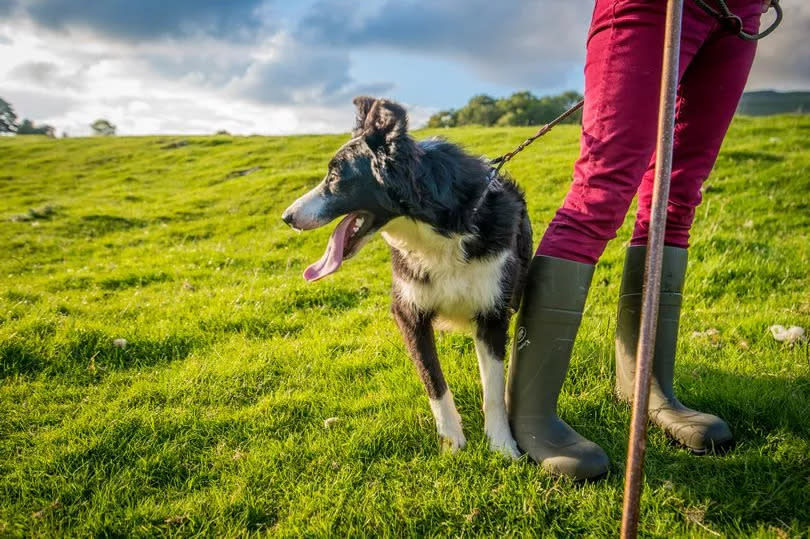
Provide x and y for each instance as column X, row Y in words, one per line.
column 283, row 67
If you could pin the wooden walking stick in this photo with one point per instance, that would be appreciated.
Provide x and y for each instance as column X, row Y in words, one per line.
column 652, row 277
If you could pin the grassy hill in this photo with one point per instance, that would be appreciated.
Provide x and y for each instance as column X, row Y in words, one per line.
column 211, row 419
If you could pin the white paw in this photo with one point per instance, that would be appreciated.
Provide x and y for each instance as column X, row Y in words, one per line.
column 448, row 423
column 496, row 426
column 506, row 446
column 451, row 444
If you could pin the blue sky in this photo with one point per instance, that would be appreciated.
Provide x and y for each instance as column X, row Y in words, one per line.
column 277, row 67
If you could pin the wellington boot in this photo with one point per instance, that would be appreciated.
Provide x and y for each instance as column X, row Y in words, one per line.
column 698, row 431
column 547, row 325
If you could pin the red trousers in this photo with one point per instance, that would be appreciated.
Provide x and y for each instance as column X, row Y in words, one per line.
column 622, row 83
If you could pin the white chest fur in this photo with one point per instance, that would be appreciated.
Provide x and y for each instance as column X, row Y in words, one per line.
column 457, row 289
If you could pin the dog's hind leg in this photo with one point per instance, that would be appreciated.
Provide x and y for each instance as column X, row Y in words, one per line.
column 490, row 346
column 417, row 331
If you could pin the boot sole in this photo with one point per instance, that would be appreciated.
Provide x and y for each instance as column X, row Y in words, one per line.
column 722, row 448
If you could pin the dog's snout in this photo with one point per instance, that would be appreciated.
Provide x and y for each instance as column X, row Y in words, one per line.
column 307, row 212
column 287, row 217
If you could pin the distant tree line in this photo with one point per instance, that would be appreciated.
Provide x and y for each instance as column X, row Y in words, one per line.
column 521, row 108
column 9, row 124
column 768, row 102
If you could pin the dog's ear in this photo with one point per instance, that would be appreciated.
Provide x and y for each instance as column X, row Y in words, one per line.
column 383, row 121
column 363, row 104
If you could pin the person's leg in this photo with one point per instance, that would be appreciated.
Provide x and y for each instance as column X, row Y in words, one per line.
column 622, row 81
column 622, row 74
column 708, row 95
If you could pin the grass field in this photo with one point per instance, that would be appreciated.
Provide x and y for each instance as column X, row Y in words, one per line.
column 211, row 419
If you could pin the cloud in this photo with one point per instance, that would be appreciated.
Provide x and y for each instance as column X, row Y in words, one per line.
column 780, row 63
column 292, row 72
column 206, row 44
column 39, row 105
column 147, row 19
column 45, row 75
column 266, row 66
column 516, row 42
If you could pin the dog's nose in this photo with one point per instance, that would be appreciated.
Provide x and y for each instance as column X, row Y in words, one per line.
column 287, row 217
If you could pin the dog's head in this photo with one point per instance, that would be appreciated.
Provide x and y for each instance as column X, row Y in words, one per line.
column 363, row 183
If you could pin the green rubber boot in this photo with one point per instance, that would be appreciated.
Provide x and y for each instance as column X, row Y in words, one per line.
column 547, row 325
column 698, row 431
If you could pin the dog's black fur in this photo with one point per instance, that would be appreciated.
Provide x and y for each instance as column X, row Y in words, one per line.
column 386, row 175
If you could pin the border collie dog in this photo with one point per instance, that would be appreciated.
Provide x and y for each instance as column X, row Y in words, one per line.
column 460, row 243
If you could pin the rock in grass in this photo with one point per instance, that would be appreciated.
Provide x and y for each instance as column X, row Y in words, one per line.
column 120, row 343
column 330, row 422
column 711, row 332
column 791, row 335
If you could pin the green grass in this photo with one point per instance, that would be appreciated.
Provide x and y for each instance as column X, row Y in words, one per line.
column 211, row 419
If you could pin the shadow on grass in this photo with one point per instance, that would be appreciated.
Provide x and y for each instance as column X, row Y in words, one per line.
column 132, row 280
column 255, row 327
column 762, row 481
column 90, row 353
column 98, row 225
column 332, row 299
column 745, row 155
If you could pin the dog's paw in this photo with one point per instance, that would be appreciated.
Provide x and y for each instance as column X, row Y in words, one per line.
column 452, row 443
column 506, row 446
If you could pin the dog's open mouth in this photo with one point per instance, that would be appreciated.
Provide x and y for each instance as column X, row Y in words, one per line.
column 347, row 238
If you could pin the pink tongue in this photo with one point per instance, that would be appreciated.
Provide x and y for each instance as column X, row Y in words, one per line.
column 332, row 258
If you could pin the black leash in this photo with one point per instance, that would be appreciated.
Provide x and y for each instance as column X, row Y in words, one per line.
column 503, row 159
column 734, row 24
column 493, row 183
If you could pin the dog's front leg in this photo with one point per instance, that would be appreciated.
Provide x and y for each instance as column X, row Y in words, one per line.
column 490, row 347
column 417, row 331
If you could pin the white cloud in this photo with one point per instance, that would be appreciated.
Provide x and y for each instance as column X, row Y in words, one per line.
column 271, row 87
column 272, row 74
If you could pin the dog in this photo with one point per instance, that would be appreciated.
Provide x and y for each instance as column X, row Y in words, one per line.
column 460, row 240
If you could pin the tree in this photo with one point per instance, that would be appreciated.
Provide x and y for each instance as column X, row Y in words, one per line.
column 480, row 110
column 8, row 118
column 27, row 127
column 521, row 108
column 103, row 128
column 443, row 118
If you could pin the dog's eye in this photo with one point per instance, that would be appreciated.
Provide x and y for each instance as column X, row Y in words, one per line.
column 331, row 180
